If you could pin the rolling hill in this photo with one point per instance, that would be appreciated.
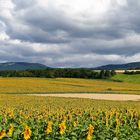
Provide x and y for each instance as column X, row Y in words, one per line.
column 128, row 66
column 21, row 66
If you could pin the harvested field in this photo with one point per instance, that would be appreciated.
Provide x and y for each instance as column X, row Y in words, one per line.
column 117, row 97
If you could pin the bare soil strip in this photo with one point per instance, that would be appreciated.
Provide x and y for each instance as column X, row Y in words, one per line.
column 113, row 97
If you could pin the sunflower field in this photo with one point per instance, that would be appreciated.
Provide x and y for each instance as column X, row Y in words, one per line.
column 65, row 85
column 25, row 117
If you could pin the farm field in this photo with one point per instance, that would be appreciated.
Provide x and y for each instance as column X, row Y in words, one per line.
column 127, row 78
column 50, row 118
column 65, row 85
column 95, row 96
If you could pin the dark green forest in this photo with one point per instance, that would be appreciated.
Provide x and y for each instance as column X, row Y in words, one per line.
column 58, row 73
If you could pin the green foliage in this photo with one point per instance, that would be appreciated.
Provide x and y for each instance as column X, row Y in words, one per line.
column 55, row 73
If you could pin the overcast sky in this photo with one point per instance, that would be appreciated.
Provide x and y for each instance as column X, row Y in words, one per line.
column 70, row 33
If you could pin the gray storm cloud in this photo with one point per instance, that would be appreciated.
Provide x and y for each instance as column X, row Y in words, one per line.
column 70, row 33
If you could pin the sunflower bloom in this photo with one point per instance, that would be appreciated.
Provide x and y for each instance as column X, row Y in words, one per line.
column 49, row 127
column 2, row 134
column 75, row 124
column 90, row 132
column 10, row 130
column 62, row 127
column 106, row 120
column 139, row 124
column 11, row 114
column 27, row 133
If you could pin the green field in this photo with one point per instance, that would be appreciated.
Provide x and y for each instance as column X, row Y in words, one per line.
column 127, row 78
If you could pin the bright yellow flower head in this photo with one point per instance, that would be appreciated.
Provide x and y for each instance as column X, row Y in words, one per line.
column 62, row 127
column 139, row 124
column 89, row 137
column 74, row 124
column 2, row 134
column 49, row 127
column 11, row 114
column 10, row 130
column 27, row 133
column 90, row 132
column 107, row 120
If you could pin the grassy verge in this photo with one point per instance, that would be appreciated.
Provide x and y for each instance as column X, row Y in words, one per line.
column 127, row 78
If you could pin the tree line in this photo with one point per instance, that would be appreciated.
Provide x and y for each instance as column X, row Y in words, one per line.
column 60, row 73
column 131, row 72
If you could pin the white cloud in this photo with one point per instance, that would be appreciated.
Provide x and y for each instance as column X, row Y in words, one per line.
column 122, row 2
column 3, row 36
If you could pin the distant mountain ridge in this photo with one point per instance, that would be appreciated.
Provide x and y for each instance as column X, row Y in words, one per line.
column 21, row 66
column 128, row 66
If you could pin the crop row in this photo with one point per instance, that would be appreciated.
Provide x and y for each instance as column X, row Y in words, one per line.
column 50, row 118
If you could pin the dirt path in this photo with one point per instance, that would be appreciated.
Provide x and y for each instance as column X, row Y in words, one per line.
column 117, row 97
